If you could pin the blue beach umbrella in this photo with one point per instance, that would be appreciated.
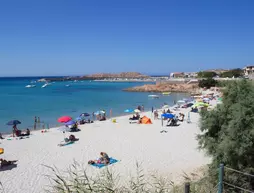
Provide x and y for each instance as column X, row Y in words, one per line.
column 71, row 122
column 84, row 115
column 13, row 122
column 128, row 110
column 79, row 119
column 168, row 115
column 99, row 112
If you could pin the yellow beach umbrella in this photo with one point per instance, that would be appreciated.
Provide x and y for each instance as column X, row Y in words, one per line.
column 1, row 150
column 200, row 104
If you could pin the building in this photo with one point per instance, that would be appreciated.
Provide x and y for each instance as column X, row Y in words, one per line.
column 248, row 70
column 191, row 74
column 177, row 75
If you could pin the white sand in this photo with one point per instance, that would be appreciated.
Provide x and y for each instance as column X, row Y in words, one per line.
column 168, row 153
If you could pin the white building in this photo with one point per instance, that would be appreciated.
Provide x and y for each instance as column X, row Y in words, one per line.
column 248, row 70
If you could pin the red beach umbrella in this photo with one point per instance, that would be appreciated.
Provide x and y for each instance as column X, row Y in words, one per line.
column 64, row 119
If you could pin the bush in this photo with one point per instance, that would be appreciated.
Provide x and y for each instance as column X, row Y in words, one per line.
column 207, row 83
column 205, row 74
column 228, row 134
column 232, row 73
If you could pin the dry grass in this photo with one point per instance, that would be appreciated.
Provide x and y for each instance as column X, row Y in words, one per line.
column 76, row 180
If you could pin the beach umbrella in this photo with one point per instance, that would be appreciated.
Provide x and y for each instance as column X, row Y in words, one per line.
column 84, row 115
column 137, row 111
column 99, row 112
column 64, row 119
column 1, row 150
column 79, row 119
column 165, row 107
column 128, row 110
column 13, row 122
column 71, row 122
column 198, row 104
column 168, row 115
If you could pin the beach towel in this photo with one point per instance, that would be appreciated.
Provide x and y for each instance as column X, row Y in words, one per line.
column 111, row 161
column 68, row 143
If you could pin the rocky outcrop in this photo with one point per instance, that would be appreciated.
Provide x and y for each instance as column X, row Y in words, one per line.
column 165, row 87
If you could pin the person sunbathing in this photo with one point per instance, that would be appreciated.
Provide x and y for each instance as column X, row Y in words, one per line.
column 104, row 159
column 27, row 133
column 135, row 117
column 4, row 162
column 69, row 140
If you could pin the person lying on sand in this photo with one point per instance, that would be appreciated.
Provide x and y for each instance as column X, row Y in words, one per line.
column 104, row 159
column 4, row 162
column 69, row 140
column 27, row 133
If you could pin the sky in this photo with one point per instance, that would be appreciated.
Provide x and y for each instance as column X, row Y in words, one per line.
column 77, row 37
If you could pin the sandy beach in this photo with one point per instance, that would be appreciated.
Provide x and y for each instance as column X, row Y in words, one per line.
column 169, row 154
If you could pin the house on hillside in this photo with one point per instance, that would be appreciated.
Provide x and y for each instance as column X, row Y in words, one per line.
column 190, row 74
column 248, row 70
column 177, row 75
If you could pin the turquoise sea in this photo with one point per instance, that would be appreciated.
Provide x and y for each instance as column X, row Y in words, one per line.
column 55, row 100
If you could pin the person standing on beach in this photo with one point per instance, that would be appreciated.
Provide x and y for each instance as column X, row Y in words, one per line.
column 110, row 112
column 35, row 122
column 93, row 116
column 142, row 108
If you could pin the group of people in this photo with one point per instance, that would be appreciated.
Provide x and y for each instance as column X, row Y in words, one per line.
column 18, row 133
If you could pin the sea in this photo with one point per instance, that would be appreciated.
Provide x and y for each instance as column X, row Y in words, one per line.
column 69, row 98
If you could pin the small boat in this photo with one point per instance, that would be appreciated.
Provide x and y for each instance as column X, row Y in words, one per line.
column 30, row 86
column 43, row 86
column 166, row 93
column 153, row 96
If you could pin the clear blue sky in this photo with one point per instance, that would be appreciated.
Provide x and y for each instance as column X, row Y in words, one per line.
column 65, row 37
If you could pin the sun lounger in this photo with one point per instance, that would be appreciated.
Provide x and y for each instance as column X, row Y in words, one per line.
column 111, row 161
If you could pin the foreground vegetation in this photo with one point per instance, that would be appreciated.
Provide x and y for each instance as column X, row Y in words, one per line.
column 76, row 179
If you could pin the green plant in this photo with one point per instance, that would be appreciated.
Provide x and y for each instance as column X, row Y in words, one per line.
column 207, row 83
column 77, row 180
column 206, row 74
column 228, row 133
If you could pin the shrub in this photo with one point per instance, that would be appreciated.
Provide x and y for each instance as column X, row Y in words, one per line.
column 207, row 83
column 228, row 134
